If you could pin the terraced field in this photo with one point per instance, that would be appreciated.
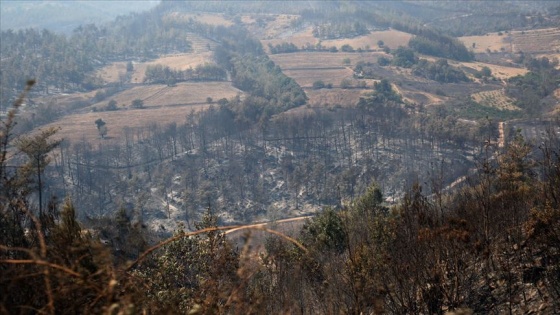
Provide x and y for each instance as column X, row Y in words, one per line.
column 496, row 98
column 81, row 127
column 500, row 72
column 201, row 53
column 490, row 42
column 176, row 62
column 321, row 60
column 163, row 105
column 304, row 37
column 532, row 41
column 300, row 38
column 537, row 41
column 334, row 97
column 308, row 67
column 390, row 38
column 210, row 18
column 186, row 93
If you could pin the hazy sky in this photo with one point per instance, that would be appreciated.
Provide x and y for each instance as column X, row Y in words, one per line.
column 65, row 15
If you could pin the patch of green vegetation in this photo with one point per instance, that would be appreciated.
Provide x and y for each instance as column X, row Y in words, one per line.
column 473, row 110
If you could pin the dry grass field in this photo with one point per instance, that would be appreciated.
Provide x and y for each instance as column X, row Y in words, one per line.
column 308, row 67
column 419, row 97
column 158, row 95
column 201, row 53
column 176, row 62
column 111, row 73
column 206, row 18
column 270, row 26
column 532, row 41
column 305, row 78
column 495, row 98
column 299, row 38
column 537, row 41
column 65, row 100
column 334, row 97
column 550, row 56
column 81, row 127
column 500, row 72
column 390, row 38
column 491, row 41
column 163, row 105
column 317, row 60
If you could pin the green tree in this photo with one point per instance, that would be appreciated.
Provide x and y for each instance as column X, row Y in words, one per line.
column 325, row 232
column 371, row 202
column 197, row 272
